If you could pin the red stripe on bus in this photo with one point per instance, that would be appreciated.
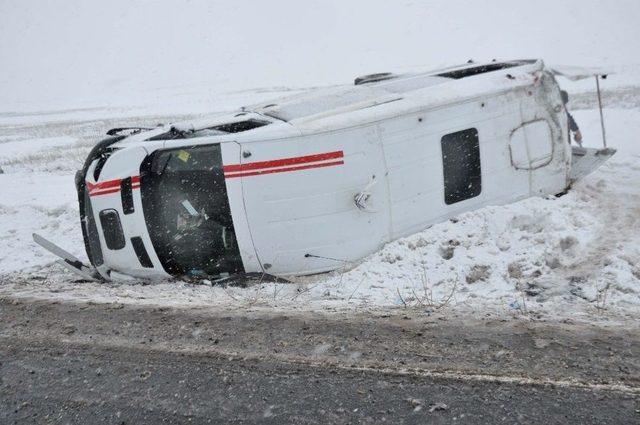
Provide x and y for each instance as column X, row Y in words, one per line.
column 110, row 186
column 104, row 185
column 282, row 170
column 105, row 192
column 297, row 160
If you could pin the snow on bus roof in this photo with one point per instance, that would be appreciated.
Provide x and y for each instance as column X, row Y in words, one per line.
column 575, row 73
column 343, row 106
column 366, row 94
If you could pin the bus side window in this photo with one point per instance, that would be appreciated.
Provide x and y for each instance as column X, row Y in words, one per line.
column 461, row 165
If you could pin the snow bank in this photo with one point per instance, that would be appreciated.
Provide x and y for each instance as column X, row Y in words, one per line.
column 36, row 202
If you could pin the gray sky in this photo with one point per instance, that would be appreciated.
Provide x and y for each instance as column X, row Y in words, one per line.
column 56, row 52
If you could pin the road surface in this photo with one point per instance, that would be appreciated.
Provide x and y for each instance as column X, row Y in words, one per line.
column 110, row 363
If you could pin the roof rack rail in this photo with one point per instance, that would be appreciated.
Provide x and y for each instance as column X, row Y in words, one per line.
column 372, row 78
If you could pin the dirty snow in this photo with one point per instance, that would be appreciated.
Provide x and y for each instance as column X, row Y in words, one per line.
column 577, row 256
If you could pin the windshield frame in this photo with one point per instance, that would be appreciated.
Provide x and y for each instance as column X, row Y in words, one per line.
column 187, row 213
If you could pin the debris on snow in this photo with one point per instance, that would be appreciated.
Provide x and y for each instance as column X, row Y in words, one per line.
column 478, row 272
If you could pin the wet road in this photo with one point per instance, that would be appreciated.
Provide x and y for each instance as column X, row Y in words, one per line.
column 79, row 363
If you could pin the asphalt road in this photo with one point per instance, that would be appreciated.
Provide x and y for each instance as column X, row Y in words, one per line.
column 83, row 363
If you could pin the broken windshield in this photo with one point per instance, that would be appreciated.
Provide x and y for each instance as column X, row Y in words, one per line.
column 187, row 212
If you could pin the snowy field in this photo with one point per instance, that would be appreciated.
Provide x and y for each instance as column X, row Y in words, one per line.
column 577, row 256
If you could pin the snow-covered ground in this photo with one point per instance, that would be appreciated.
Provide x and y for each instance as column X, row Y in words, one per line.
column 574, row 256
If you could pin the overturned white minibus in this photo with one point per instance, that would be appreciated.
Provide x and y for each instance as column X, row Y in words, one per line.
column 302, row 185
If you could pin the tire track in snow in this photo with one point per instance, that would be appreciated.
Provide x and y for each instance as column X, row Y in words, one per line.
column 619, row 226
